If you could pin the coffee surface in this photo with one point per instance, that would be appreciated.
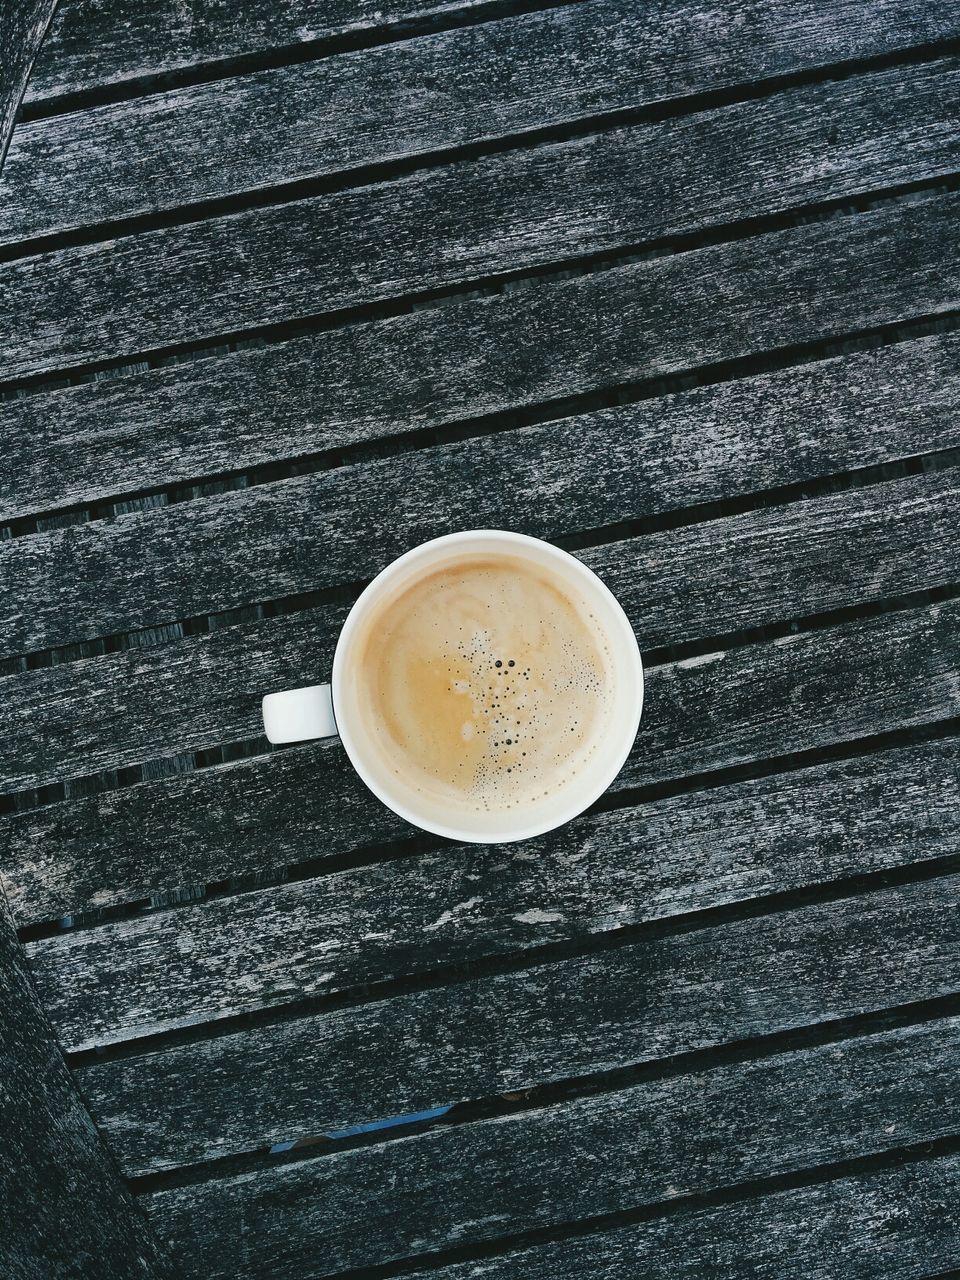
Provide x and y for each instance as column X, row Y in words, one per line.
column 485, row 684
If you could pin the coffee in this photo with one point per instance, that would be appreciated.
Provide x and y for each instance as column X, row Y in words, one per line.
column 484, row 685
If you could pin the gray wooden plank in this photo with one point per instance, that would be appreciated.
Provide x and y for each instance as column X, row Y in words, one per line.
column 755, row 568
column 23, row 24
column 102, row 42
column 820, row 538
column 516, row 211
column 652, row 1143
column 416, row 97
column 233, row 819
column 326, row 529
column 726, row 708
column 276, row 809
column 318, row 1072
column 228, row 820
column 372, row 380
column 65, row 1208
column 70, row 858
column 899, row 1224
column 172, row 631
column 282, row 944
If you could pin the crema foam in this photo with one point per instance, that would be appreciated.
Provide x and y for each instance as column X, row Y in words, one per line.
column 484, row 685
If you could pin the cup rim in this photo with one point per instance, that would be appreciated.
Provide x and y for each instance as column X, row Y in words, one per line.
column 562, row 814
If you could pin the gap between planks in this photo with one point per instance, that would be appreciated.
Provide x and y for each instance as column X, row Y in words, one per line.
column 919, row 636
column 277, row 650
column 669, row 999
column 792, row 1208
column 73, row 972
column 395, row 299
column 195, row 193
column 805, row 358
column 122, row 397
column 387, row 850
column 594, row 544
column 532, row 1098
column 652, row 1143
column 412, row 21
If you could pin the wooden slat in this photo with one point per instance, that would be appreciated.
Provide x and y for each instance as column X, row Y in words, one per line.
column 102, row 42
column 326, row 529
column 103, row 849
column 66, row 1211
column 319, row 1072
column 724, row 440
column 230, row 820
column 363, row 381
column 22, row 27
column 89, row 1007
column 801, row 692
column 754, row 568
column 98, row 42
column 515, row 211
column 896, row 1225
column 396, row 901
column 413, row 98
column 278, row 945
column 651, row 1143
column 824, row 688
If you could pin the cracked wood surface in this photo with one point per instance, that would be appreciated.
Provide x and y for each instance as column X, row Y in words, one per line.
column 394, row 974
column 417, row 98
column 480, row 1036
column 653, row 1142
column 203, row 282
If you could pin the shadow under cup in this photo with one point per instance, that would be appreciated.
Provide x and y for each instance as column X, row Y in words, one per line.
column 379, row 757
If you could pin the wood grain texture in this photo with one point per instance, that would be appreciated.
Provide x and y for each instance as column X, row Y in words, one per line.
column 762, row 700
column 755, row 568
column 327, row 529
column 374, row 380
column 417, row 97
column 481, row 218
column 233, row 819
column 65, row 1209
column 895, row 1225
column 271, row 947
column 651, row 1143
column 330, row 1070
column 800, row 692
column 23, row 24
column 95, row 42
column 105, row 849
column 504, row 213
column 101, row 42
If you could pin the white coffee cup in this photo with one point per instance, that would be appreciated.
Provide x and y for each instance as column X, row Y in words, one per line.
column 318, row 711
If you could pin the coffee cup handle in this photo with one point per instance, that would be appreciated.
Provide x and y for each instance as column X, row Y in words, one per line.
column 295, row 715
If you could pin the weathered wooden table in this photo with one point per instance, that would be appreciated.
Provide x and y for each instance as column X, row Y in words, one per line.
column 288, row 288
